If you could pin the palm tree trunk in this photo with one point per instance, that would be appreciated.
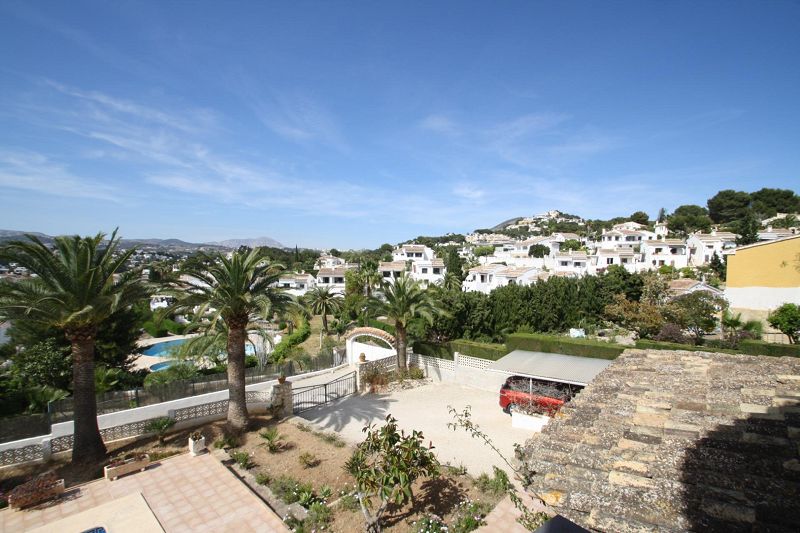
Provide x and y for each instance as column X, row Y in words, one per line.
column 88, row 445
column 325, row 323
column 237, row 397
column 401, row 341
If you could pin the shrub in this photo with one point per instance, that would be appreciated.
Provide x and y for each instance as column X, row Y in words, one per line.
column 672, row 333
column 481, row 350
column 645, row 344
column 273, row 439
column 330, row 438
column 429, row 524
column 348, row 502
column 388, row 328
column 319, row 516
column 786, row 319
column 159, row 426
column 308, row 460
column 753, row 347
column 415, row 372
column 288, row 489
column 226, row 441
column 536, row 342
column 283, row 348
column 495, row 485
column 262, row 478
column 440, row 351
column 469, row 516
column 242, row 459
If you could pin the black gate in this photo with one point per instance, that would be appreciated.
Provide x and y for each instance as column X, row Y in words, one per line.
column 305, row 398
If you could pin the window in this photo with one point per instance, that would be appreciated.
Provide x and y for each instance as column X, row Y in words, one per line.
column 624, row 260
column 564, row 263
column 483, row 278
column 338, row 280
column 326, row 280
column 386, row 274
column 437, row 270
column 424, row 270
column 609, row 260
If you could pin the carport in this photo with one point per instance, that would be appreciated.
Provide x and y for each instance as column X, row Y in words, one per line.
column 556, row 367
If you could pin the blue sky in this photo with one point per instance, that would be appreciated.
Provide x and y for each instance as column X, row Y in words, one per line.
column 350, row 124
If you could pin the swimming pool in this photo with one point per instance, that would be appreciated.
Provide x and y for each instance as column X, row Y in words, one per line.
column 160, row 366
column 162, row 349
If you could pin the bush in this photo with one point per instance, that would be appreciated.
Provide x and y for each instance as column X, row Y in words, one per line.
column 672, row 333
column 645, row 344
column 440, row 351
column 481, row 350
column 388, row 328
column 262, row 478
column 289, row 489
column 752, row 347
column 469, row 516
column 228, row 441
column 495, row 485
column 308, row 460
column 282, row 349
column 242, row 459
column 273, row 439
column 536, row 342
column 319, row 516
column 159, row 426
column 429, row 524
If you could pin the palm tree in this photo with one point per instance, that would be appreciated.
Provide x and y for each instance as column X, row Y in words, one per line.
column 78, row 285
column 369, row 276
column 237, row 291
column 323, row 301
column 403, row 301
column 451, row 282
column 210, row 347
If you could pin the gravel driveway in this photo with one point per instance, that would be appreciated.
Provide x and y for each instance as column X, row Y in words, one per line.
column 425, row 409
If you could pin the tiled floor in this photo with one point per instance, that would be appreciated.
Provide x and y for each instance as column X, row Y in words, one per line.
column 185, row 493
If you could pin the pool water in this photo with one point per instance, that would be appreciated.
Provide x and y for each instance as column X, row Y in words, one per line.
column 162, row 349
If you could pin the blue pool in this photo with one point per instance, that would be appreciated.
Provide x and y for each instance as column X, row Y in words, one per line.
column 160, row 366
column 162, row 349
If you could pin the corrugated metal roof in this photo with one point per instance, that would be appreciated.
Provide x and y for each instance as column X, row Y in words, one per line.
column 551, row 366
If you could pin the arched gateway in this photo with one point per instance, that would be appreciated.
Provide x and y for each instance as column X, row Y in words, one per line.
column 372, row 352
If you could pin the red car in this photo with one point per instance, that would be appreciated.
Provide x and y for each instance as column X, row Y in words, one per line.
column 548, row 396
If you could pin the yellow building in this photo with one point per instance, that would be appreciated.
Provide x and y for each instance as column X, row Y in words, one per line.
column 763, row 276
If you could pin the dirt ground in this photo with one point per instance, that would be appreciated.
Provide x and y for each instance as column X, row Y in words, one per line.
column 439, row 496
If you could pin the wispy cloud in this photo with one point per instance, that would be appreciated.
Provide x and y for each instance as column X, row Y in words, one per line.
column 469, row 191
column 35, row 172
column 440, row 124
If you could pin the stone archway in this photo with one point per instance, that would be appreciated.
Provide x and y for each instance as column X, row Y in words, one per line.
column 374, row 333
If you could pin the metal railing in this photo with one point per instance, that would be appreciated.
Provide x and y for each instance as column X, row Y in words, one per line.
column 113, row 401
column 305, row 398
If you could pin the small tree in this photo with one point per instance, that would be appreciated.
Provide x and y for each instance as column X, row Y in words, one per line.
column 640, row 217
column 386, row 465
column 159, row 426
column 570, row 245
column 642, row 317
column 786, row 319
column 696, row 312
column 538, row 250
column 719, row 266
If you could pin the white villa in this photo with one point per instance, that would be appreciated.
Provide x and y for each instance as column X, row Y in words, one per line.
column 391, row 270
column 665, row 252
column 425, row 267
column 703, row 246
column 333, row 278
column 486, row 278
column 328, row 261
column 297, row 284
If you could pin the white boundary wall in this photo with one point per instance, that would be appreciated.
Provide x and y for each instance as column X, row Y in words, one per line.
column 463, row 369
column 761, row 298
column 371, row 351
column 140, row 414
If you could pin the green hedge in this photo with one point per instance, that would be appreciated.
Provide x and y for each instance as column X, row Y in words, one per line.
column 388, row 328
column 646, row 344
column 162, row 329
column 535, row 342
column 288, row 342
column 752, row 347
column 442, row 351
column 481, row 350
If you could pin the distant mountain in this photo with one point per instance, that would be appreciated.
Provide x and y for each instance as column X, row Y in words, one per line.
column 10, row 235
column 252, row 243
column 508, row 222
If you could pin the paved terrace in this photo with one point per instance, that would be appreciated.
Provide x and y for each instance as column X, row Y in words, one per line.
column 184, row 493
column 675, row 441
